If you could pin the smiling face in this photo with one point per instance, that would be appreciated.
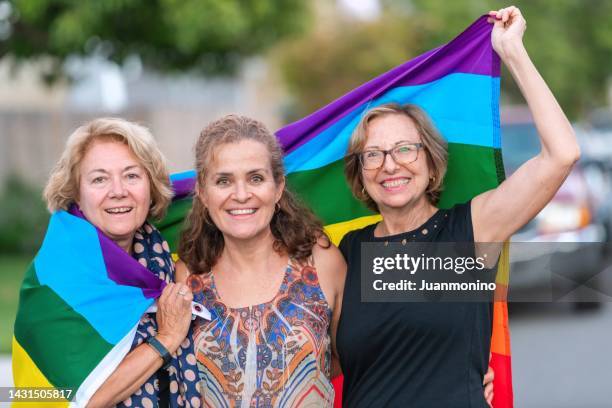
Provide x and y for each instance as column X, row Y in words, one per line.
column 239, row 190
column 114, row 190
column 394, row 185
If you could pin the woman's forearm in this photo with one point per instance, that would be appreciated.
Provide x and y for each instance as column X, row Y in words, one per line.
column 556, row 133
column 132, row 372
column 173, row 319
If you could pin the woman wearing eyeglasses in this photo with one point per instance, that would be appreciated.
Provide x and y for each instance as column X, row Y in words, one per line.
column 436, row 354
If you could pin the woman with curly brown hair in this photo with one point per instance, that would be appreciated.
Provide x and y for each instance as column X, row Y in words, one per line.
column 262, row 264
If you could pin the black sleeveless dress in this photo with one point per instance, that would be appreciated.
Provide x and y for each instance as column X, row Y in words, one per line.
column 413, row 354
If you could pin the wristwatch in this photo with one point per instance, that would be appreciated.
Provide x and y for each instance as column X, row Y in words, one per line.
column 163, row 351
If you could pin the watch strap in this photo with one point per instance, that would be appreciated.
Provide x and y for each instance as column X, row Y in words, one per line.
column 163, row 351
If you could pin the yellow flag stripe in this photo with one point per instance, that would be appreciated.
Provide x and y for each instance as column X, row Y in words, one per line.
column 27, row 374
column 337, row 231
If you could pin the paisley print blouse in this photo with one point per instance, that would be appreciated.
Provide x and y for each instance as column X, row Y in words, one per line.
column 274, row 354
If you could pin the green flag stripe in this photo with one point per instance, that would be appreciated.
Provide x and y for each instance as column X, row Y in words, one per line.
column 326, row 192
column 63, row 345
column 172, row 224
column 471, row 170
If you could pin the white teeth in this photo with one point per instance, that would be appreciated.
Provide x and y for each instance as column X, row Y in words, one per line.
column 395, row 183
column 119, row 210
column 242, row 211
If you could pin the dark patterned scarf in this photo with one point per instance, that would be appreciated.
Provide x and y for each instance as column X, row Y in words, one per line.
column 153, row 252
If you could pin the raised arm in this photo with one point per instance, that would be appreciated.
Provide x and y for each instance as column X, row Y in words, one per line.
column 499, row 213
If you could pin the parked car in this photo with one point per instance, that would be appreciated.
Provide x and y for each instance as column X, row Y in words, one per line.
column 563, row 246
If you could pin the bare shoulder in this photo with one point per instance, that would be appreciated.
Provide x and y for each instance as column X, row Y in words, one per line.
column 182, row 272
column 329, row 262
column 331, row 270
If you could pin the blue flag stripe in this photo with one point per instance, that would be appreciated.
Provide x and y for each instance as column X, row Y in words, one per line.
column 70, row 262
column 189, row 174
column 454, row 103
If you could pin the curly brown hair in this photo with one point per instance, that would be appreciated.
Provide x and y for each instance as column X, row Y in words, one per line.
column 294, row 227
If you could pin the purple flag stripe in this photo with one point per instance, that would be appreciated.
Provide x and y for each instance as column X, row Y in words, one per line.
column 122, row 268
column 465, row 54
column 461, row 55
column 183, row 188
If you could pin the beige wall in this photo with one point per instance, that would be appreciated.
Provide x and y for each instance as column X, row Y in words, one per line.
column 22, row 88
column 33, row 131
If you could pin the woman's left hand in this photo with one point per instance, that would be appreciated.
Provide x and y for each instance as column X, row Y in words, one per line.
column 509, row 27
column 488, row 386
column 174, row 315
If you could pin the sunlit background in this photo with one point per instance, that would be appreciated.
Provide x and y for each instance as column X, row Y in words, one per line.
column 175, row 65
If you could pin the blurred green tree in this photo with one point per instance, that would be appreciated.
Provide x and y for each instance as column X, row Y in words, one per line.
column 337, row 57
column 570, row 42
column 23, row 218
column 205, row 35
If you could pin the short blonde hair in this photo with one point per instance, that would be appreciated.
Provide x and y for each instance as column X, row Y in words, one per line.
column 62, row 189
column 434, row 146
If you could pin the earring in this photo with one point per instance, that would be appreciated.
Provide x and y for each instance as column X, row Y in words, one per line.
column 363, row 192
column 277, row 207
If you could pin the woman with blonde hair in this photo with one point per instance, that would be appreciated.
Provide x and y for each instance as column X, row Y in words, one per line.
column 113, row 175
column 436, row 354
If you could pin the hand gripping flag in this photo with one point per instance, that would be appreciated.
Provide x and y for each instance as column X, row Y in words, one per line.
column 458, row 86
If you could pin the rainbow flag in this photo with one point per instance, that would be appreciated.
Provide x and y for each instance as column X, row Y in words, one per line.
column 79, row 307
column 458, row 86
column 83, row 311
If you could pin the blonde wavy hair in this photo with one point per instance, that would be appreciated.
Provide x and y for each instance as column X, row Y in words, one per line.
column 435, row 149
column 62, row 188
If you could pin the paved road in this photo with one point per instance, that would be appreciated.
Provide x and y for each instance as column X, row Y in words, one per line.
column 561, row 358
column 6, row 378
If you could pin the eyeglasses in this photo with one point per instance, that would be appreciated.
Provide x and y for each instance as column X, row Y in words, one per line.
column 402, row 154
